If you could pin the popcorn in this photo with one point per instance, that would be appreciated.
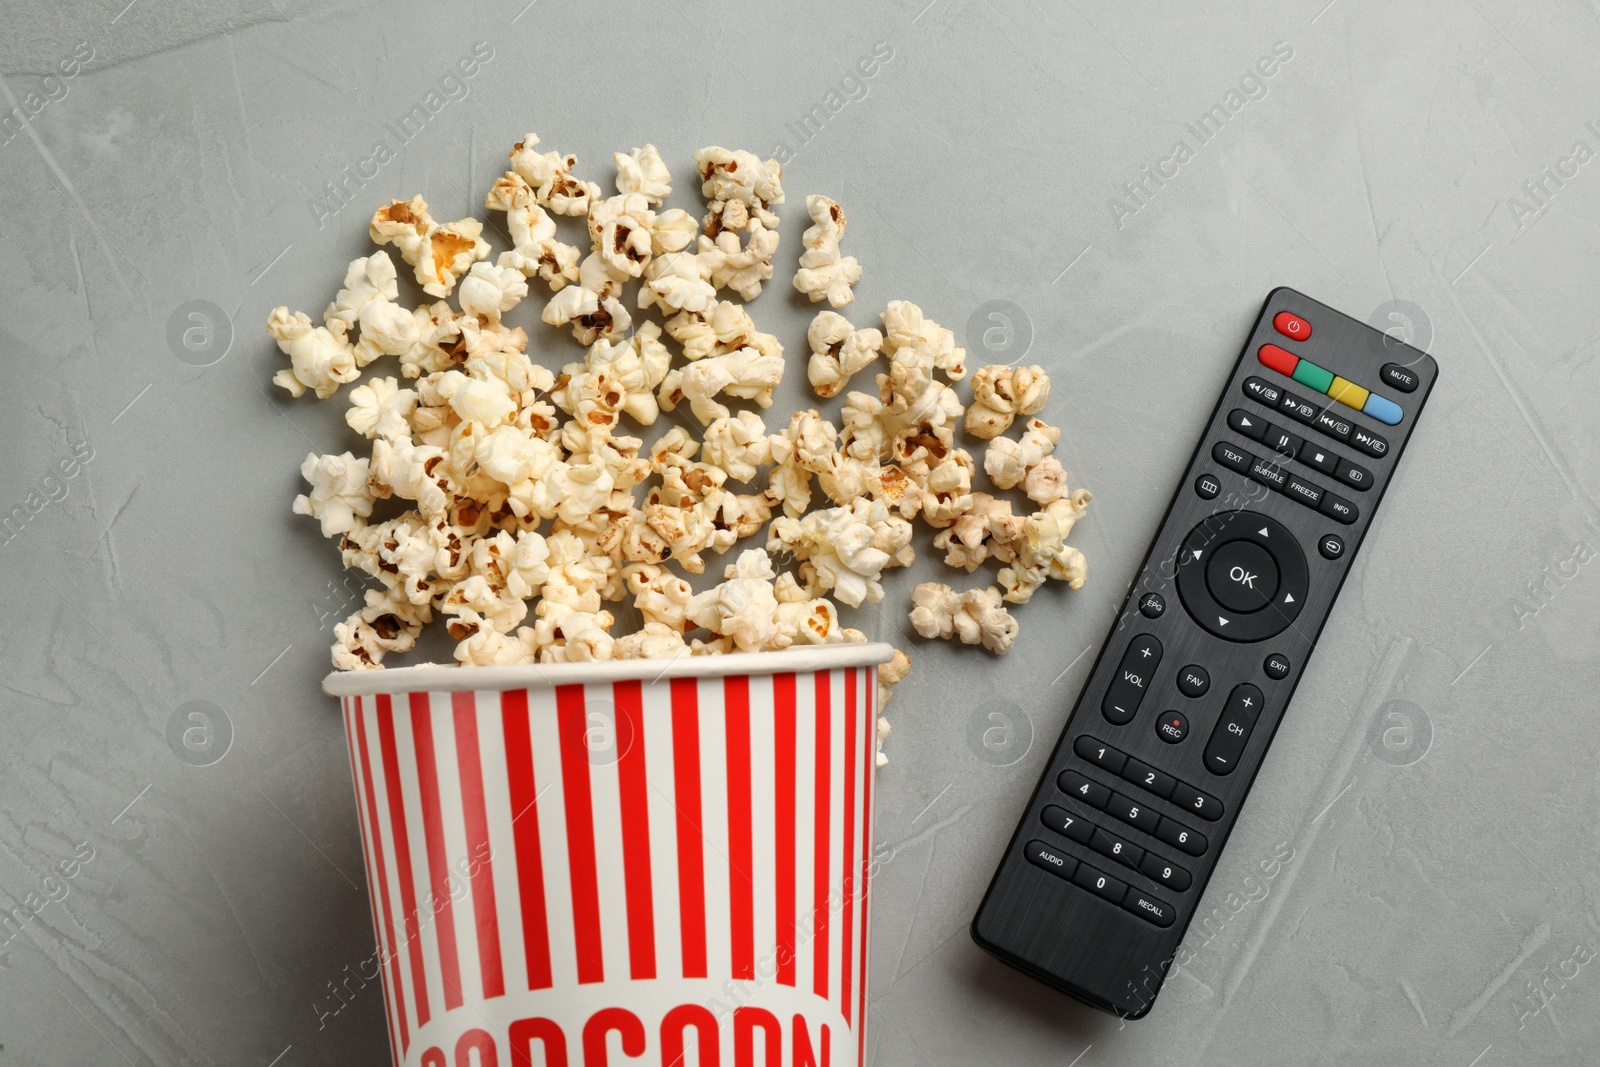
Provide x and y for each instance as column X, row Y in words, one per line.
column 1000, row 394
column 744, row 373
column 823, row 271
column 975, row 617
column 739, row 445
column 384, row 625
column 720, row 327
column 381, row 408
column 438, row 254
column 319, row 359
column 591, row 306
column 743, row 608
column 838, row 350
column 738, row 178
column 533, row 234
column 642, row 171
column 549, row 174
column 339, row 498
column 524, row 519
column 923, row 341
column 678, row 281
column 838, row 546
column 367, row 302
column 489, row 291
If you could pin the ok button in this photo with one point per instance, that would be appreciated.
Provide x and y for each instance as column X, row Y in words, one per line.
column 1242, row 576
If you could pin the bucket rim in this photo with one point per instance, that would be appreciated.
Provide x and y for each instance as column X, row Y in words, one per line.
column 443, row 679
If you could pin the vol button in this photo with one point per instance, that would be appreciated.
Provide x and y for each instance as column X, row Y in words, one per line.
column 1242, row 576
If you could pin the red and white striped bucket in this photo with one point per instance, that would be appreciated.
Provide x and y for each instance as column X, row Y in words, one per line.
column 576, row 865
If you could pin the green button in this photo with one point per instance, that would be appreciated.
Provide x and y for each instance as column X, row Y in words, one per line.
column 1308, row 373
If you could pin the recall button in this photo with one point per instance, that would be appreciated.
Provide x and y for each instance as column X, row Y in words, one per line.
column 1149, row 908
column 1291, row 326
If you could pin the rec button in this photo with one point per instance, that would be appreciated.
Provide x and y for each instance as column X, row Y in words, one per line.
column 1172, row 727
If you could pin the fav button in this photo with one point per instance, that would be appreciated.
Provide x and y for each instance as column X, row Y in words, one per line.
column 1291, row 326
column 1385, row 411
column 1397, row 377
column 1278, row 359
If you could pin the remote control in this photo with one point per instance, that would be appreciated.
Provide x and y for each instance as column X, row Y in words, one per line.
column 1110, row 859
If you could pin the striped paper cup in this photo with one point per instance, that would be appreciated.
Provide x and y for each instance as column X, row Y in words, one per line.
column 662, row 863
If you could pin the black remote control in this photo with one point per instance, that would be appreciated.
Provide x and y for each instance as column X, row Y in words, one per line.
column 1122, row 833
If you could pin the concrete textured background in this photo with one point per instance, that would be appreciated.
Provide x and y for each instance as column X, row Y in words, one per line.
column 1427, row 816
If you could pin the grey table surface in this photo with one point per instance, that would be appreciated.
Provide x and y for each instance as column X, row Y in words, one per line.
column 1413, row 881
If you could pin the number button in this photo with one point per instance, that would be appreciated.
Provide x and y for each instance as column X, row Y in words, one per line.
column 1099, row 754
column 1148, row 777
column 1116, row 848
column 1066, row 824
column 1163, row 873
column 1132, row 812
column 1191, row 841
column 1189, row 798
column 1091, row 793
column 1101, row 885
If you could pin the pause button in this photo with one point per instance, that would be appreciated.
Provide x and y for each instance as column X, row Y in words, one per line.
column 1242, row 576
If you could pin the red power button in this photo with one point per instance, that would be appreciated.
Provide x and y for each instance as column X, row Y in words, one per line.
column 1291, row 326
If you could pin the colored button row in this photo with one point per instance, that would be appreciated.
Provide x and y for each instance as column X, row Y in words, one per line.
column 1324, row 381
column 1164, row 786
column 1324, row 419
column 1100, row 884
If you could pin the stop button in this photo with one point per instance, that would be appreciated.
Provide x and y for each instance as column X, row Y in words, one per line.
column 1242, row 576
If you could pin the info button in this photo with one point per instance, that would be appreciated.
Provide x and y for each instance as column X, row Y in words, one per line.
column 1242, row 576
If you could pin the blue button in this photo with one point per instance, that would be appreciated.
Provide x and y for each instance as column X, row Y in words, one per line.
column 1385, row 411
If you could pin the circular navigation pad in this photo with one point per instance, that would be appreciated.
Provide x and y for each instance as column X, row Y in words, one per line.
column 1241, row 576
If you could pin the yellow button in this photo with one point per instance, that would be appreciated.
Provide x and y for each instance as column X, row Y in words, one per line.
column 1347, row 393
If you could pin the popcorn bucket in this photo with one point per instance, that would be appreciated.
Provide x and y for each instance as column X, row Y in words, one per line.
column 580, row 864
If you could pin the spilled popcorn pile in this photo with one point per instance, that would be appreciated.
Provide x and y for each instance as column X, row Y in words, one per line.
column 522, row 487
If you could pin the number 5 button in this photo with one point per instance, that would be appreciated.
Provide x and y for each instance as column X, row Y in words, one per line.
column 1191, row 799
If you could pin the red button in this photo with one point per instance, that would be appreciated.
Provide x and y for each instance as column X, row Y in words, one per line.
column 1291, row 326
column 1279, row 360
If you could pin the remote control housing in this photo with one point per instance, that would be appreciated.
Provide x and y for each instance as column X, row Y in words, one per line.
column 1048, row 910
